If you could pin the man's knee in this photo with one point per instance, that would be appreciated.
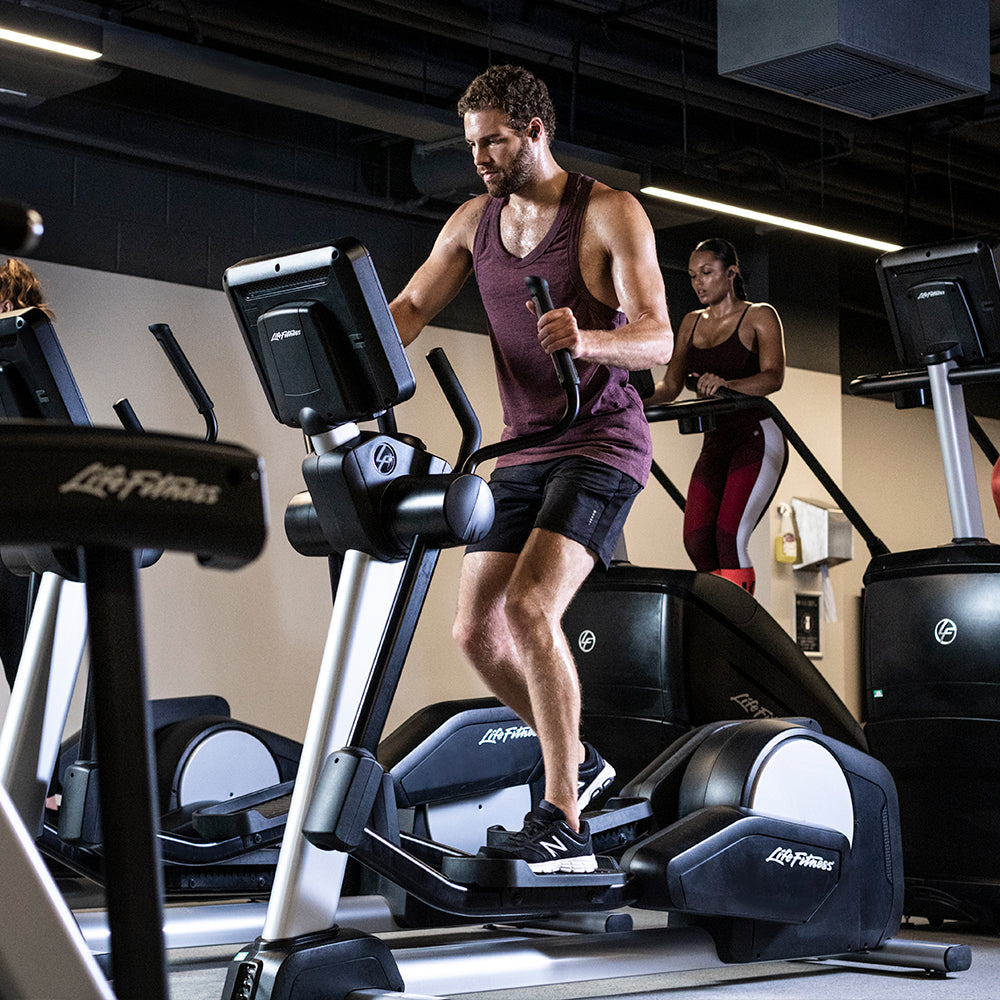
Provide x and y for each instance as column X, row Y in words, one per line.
column 526, row 614
column 468, row 635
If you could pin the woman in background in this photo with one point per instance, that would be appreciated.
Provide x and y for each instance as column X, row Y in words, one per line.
column 19, row 289
column 735, row 344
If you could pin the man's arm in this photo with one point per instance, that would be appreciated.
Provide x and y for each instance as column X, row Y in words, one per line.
column 619, row 265
column 439, row 279
column 669, row 386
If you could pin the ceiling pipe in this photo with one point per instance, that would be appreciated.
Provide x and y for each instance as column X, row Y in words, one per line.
column 254, row 80
column 703, row 89
column 415, row 209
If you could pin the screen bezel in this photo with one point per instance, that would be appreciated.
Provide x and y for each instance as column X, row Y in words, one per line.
column 343, row 352
column 37, row 383
column 961, row 302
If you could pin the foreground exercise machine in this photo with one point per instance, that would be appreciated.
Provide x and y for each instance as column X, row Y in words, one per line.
column 931, row 617
column 223, row 785
column 99, row 496
column 772, row 839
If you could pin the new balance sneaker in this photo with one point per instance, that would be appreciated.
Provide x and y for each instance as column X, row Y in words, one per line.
column 596, row 775
column 547, row 843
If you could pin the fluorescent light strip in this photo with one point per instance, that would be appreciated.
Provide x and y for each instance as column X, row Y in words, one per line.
column 773, row 220
column 36, row 41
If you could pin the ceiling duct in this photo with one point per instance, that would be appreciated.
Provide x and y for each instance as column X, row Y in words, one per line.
column 28, row 79
column 868, row 59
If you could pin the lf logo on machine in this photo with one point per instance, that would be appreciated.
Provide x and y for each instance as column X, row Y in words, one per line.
column 586, row 641
column 945, row 631
column 384, row 459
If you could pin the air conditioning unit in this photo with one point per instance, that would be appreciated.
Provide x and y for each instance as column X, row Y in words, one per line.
column 867, row 57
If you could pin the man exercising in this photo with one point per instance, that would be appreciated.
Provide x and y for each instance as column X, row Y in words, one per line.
column 560, row 507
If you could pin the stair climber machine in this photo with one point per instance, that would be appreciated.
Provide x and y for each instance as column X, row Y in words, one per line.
column 931, row 617
column 698, row 649
column 765, row 838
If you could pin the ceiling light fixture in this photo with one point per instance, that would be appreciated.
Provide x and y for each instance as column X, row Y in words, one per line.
column 772, row 220
column 41, row 30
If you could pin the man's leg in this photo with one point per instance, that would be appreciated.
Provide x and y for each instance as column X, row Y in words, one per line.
column 508, row 625
column 547, row 574
column 482, row 632
column 481, row 629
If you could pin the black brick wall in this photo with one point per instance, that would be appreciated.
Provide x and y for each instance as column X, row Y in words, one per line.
column 117, row 213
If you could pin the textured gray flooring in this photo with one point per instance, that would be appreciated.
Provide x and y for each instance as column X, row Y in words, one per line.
column 199, row 976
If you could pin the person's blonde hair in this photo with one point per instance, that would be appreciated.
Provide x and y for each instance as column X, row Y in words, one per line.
column 19, row 285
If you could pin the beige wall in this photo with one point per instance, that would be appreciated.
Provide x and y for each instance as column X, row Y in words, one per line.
column 256, row 636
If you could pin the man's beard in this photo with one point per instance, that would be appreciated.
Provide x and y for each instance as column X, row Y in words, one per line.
column 514, row 177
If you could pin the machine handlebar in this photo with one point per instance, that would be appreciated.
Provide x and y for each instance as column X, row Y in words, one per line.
column 728, row 400
column 200, row 398
column 538, row 289
column 472, row 434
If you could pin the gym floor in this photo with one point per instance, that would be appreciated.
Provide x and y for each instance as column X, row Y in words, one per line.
column 199, row 975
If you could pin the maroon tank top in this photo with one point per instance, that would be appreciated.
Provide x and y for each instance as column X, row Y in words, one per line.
column 611, row 427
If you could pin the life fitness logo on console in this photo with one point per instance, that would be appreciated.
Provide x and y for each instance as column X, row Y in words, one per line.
column 788, row 858
column 104, row 481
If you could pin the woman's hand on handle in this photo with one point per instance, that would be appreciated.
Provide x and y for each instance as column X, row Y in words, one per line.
column 708, row 384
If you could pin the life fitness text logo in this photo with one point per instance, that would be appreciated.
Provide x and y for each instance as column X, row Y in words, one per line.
column 946, row 631
column 788, row 858
column 501, row 734
column 280, row 335
column 104, row 481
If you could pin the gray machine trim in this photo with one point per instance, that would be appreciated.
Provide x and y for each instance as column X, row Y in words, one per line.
column 33, row 912
column 956, row 453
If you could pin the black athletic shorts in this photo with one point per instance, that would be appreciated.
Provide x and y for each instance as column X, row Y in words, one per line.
column 579, row 498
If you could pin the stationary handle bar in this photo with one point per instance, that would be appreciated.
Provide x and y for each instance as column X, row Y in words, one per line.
column 917, row 380
column 127, row 415
column 728, row 400
column 472, row 433
column 203, row 404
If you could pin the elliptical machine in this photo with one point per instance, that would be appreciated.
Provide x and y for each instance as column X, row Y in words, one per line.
column 773, row 840
column 198, row 743
column 48, row 504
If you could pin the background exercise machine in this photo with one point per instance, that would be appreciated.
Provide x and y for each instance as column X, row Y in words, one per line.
column 201, row 752
column 698, row 649
column 931, row 617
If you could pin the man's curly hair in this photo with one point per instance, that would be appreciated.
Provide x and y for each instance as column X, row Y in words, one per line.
column 515, row 91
